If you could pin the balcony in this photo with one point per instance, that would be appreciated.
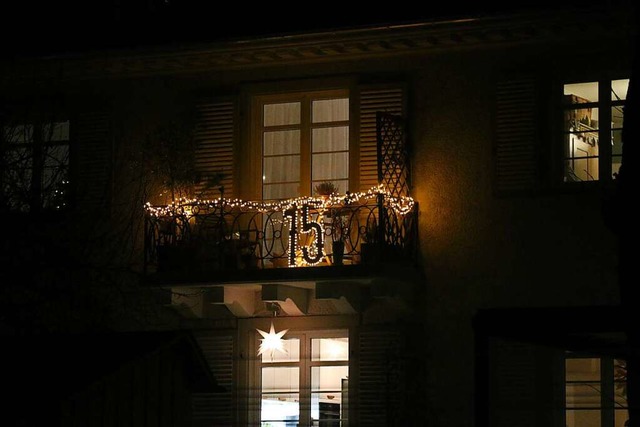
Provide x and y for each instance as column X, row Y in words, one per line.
column 224, row 240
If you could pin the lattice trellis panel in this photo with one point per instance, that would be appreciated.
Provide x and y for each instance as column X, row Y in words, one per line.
column 395, row 175
column 393, row 155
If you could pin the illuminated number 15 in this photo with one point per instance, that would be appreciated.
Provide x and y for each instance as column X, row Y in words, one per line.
column 311, row 257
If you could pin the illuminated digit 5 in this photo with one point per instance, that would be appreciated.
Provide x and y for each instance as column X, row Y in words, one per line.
column 315, row 256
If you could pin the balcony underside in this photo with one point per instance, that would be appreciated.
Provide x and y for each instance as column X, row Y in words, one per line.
column 297, row 291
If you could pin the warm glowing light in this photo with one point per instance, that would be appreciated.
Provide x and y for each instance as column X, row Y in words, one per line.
column 272, row 341
column 401, row 205
column 335, row 350
column 296, row 210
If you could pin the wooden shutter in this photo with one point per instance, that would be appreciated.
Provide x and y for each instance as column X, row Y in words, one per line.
column 216, row 409
column 516, row 159
column 523, row 385
column 214, row 136
column 91, row 135
column 379, row 378
column 374, row 99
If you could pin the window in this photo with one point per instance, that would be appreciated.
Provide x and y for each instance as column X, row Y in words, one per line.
column 595, row 392
column 307, row 385
column 35, row 166
column 305, row 141
column 593, row 113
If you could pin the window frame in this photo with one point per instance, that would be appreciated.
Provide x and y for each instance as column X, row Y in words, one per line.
column 607, row 382
column 604, row 131
column 250, row 370
column 305, row 365
column 40, row 197
column 257, row 97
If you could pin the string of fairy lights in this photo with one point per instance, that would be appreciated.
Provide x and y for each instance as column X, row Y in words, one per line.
column 185, row 206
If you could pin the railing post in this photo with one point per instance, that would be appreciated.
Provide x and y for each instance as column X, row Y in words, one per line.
column 382, row 220
column 146, row 245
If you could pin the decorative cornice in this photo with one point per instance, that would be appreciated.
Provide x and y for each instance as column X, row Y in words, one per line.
column 352, row 44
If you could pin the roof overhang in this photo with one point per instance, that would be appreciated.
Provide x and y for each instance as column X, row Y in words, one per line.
column 345, row 44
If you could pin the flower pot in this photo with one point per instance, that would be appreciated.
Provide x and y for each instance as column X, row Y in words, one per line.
column 337, row 252
column 370, row 253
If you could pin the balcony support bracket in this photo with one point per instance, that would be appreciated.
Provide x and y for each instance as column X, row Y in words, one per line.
column 292, row 300
column 348, row 297
column 239, row 301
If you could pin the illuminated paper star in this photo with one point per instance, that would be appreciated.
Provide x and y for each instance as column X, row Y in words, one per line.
column 272, row 341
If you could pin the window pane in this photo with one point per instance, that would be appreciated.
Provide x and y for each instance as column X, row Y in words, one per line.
column 329, row 349
column 292, row 348
column 19, row 134
column 581, row 120
column 18, row 158
column 620, row 383
column 53, row 178
column 616, row 151
column 328, row 378
column 583, row 369
column 281, row 142
column 55, row 191
column 56, row 156
column 616, row 140
column 620, row 395
column 58, row 131
column 331, row 139
column 583, row 418
column 619, row 89
column 330, row 166
column 579, row 93
column 280, row 191
column 621, row 417
column 581, row 145
column 282, row 114
column 342, row 186
column 280, row 393
column 281, row 169
column 583, row 395
column 330, row 110
column 281, row 410
column 16, row 187
column 617, row 117
column 327, row 407
column 280, row 379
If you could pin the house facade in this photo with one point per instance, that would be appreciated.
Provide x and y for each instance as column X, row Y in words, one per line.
column 358, row 226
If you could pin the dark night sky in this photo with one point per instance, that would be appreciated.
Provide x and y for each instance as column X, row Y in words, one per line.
column 66, row 26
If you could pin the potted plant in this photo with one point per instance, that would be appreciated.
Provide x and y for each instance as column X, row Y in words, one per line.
column 325, row 189
column 370, row 248
column 338, row 234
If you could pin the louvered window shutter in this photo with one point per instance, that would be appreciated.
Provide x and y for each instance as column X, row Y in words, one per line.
column 91, row 135
column 374, row 99
column 216, row 409
column 522, row 383
column 379, row 382
column 516, row 150
column 214, row 136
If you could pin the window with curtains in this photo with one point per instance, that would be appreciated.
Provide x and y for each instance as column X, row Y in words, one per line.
column 307, row 383
column 34, row 173
column 304, row 141
column 593, row 118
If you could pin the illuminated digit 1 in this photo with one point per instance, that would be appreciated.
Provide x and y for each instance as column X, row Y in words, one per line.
column 293, row 234
column 308, row 226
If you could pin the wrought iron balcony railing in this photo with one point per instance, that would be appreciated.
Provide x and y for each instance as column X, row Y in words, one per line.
column 223, row 234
